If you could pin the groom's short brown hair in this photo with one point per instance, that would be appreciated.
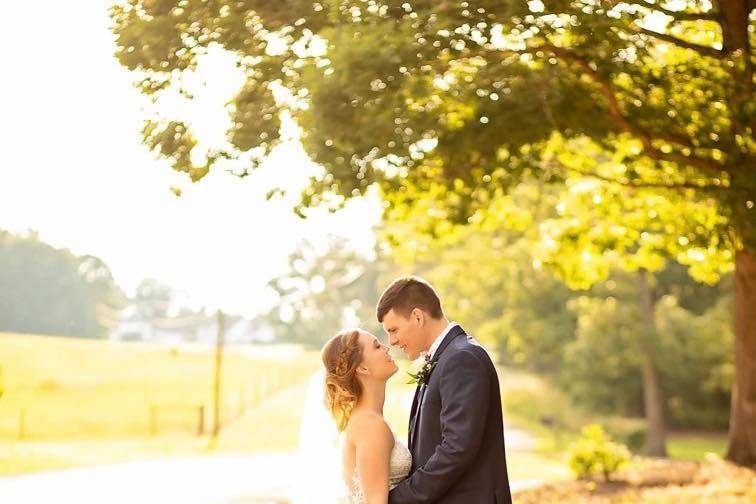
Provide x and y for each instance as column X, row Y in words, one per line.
column 407, row 293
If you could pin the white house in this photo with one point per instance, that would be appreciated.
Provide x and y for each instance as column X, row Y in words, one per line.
column 188, row 327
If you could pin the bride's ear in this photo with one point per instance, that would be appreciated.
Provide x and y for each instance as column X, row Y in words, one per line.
column 363, row 370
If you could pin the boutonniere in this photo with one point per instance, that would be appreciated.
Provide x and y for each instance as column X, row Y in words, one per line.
column 422, row 376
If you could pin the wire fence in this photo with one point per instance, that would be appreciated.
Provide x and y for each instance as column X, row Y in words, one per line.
column 105, row 414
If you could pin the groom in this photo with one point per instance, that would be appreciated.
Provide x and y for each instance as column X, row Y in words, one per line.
column 456, row 432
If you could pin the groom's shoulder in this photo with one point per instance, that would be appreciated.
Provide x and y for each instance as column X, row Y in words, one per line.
column 467, row 345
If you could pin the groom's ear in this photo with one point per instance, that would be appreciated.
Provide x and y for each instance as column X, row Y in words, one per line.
column 417, row 317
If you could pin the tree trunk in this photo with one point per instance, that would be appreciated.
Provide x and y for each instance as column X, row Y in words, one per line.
column 741, row 447
column 733, row 16
column 653, row 403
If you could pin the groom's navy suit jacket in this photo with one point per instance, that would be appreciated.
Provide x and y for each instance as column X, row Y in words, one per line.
column 457, row 431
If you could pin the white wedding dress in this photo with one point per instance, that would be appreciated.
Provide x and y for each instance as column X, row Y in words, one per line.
column 400, row 464
column 319, row 456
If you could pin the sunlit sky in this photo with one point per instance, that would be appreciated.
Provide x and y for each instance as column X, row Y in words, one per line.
column 73, row 169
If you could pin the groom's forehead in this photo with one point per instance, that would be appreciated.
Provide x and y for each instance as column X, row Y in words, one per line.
column 390, row 319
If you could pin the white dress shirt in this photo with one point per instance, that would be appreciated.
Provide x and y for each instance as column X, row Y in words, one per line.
column 439, row 339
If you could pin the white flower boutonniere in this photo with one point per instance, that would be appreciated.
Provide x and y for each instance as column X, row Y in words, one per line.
column 423, row 375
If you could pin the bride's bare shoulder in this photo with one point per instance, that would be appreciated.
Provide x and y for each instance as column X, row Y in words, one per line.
column 366, row 425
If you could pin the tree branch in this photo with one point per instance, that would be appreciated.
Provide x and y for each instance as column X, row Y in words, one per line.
column 680, row 15
column 615, row 112
column 641, row 185
column 700, row 49
column 676, row 138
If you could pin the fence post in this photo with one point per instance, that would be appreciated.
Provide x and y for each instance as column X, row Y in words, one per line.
column 239, row 394
column 276, row 380
column 153, row 420
column 22, row 423
column 257, row 392
column 221, row 322
column 263, row 387
column 200, row 419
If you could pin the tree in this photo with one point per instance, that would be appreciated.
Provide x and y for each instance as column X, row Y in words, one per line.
column 46, row 290
column 153, row 298
column 602, row 226
column 466, row 94
column 326, row 289
column 693, row 351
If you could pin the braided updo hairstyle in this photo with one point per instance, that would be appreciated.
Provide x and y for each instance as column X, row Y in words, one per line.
column 341, row 356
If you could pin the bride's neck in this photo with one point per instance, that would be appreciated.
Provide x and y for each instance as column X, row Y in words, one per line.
column 373, row 397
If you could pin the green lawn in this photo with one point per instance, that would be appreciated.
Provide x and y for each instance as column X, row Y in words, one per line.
column 693, row 446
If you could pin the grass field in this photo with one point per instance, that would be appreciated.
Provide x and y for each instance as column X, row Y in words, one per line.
column 79, row 389
column 70, row 402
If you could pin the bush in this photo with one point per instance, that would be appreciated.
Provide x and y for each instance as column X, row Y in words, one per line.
column 636, row 439
column 595, row 453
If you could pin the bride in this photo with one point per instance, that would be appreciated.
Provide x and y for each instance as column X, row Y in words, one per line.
column 373, row 460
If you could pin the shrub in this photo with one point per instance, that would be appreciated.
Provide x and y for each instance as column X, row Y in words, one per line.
column 595, row 453
column 636, row 439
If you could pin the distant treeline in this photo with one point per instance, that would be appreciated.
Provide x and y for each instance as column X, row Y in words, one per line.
column 47, row 290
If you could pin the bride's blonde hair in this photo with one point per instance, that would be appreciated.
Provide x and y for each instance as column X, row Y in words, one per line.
column 341, row 356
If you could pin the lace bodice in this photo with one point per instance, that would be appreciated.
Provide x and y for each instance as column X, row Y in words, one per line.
column 399, row 467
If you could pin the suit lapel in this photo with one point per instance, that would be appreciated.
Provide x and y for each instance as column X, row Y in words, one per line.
column 415, row 420
column 413, row 416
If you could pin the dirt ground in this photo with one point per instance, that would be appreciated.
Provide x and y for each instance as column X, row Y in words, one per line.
column 655, row 481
